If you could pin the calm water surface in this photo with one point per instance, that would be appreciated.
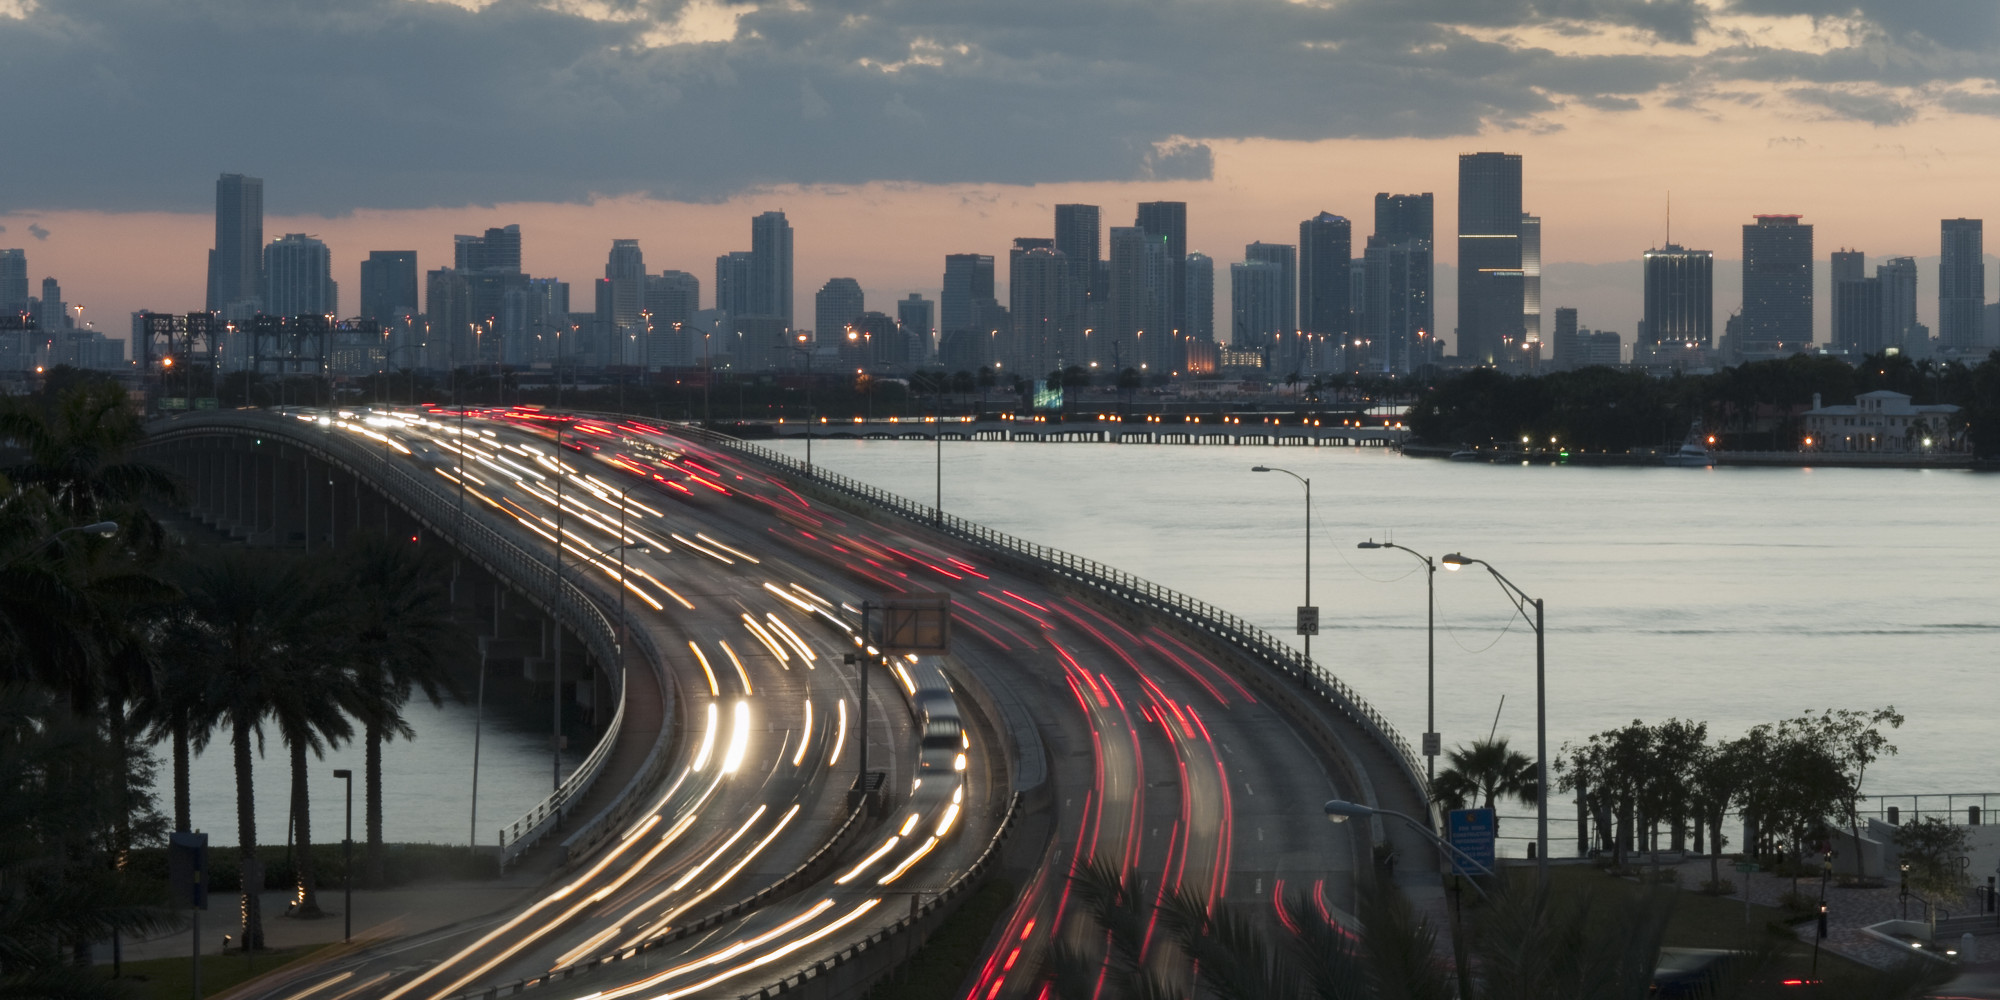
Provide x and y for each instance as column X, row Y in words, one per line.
column 1735, row 596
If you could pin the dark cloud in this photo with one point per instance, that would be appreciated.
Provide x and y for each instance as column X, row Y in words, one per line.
column 1873, row 108
column 35, row 230
column 345, row 104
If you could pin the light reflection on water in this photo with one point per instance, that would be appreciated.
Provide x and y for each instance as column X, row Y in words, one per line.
column 1735, row 596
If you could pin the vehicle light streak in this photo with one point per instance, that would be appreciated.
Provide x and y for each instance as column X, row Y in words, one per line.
column 840, row 734
column 739, row 738
column 741, row 674
column 713, row 690
column 695, row 872
column 773, row 956
column 917, row 855
column 703, row 549
column 815, row 598
column 309, row 991
column 708, row 738
column 869, row 861
column 787, row 598
column 757, row 631
column 724, row 955
column 792, row 639
column 805, row 735
column 950, row 816
column 738, row 553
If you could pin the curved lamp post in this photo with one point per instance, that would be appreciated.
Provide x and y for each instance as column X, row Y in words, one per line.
column 1521, row 601
column 1432, row 742
column 1307, row 606
column 1341, row 810
column 103, row 529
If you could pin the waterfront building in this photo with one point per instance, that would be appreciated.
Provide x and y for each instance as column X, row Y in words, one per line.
column 1490, row 303
column 1961, row 283
column 1679, row 299
column 771, row 266
column 1286, row 257
column 236, row 264
column 1166, row 221
column 1039, row 300
column 388, row 285
column 1135, row 305
column 1200, row 298
column 835, row 305
column 1777, row 288
column 298, row 277
column 1881, row 422
column 1256, row 306
column 1325, row 270
column 1395, row 279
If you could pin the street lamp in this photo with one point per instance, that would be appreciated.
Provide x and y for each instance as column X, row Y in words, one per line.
column 1432, row 743
column 103, row 529
column 1308, row 615
column 347, row 849
column 1521, row 601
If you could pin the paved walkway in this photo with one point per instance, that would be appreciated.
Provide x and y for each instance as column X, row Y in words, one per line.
column 379, row 914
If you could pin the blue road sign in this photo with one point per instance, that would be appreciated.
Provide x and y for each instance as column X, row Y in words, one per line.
column 1472, row 832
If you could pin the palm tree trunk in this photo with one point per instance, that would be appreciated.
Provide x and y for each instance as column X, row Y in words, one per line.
column 372, row 765
column 305, row 902
column 182, row 807
column 246, row 838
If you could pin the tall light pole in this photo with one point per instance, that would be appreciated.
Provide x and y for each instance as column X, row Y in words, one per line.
column 1308, row 615
column 1432, row 742
column 347, row 851
column 1521, row 602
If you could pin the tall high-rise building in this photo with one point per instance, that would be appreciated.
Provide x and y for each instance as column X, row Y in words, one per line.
column 1402, row 218
column 1900, row 328
column 1531, row 278
column 1961, row 282
column 1038, row 301
column 917, row 316
column 388, row 285
column 619, row 326
column 968, row 281
column 52, row 313
column 1200, row 298
column 236, row 265
column 13, row 282
column 1257, row 307
column 1680, row 299
column 1167, row 221
column 835, row 306
column 498, row 249
column 1079, row 238
column 672, row 297
column 771, row 265
column 1777, row 287
column 1326, row 252
column 298, row 278
column 448, row 319
column 1394, row 305
column 1286, row 256
column 1490, row 298
column 1563, row 341
column 1849, row 265
column 1135, row 305
column 1858, row 316
column 733, row 283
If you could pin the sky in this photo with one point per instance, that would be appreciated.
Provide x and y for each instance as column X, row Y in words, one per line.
column 892, row 132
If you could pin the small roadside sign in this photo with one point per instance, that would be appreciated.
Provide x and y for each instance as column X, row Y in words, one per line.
column 1473, row 832
column 1308, row 620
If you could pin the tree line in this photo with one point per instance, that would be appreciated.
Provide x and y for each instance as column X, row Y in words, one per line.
column 114, row 639
column 1749, row 406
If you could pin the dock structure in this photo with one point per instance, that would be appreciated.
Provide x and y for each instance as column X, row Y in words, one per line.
column 1204, row 432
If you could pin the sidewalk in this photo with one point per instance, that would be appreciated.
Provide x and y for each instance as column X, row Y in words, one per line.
column 379, row 914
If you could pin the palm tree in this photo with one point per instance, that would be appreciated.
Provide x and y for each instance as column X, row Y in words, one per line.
column 78, row 450
column 254, row 616
column 400, row 596
column 1486, row 772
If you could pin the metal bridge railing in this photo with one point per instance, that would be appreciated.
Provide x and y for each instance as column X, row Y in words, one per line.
column 1195, row 612
column 530, row 572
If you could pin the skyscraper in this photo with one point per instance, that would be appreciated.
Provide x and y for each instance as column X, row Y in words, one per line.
column 733, row 283
column 1680, row 299
column 1167, row 221
column 236, row 265
column 1079, row 233
column 1777, row 287
column 771, row 265
column 1200, row 298
column 1490, row 299
column 1900, row 328
column 1563, row 341
column 1531, row 278
column 1961, row 282
column 448, row 317
column 1851, row 265
column 1135, row 305
column 1293, row 351
column 1257, row 307
column 1403, row 227
column 1038, row 297
column 298, row 278
column 1326, row 251
column 1858, row 315
column 672, row 297
column 620, row 324
column 968, row 281
column 388, row 285
column 13, row 282
column 917, row 316
column 499, row 249
column 835, row 306
column 1402, row 218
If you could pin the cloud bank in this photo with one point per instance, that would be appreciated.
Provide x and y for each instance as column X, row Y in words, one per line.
column 396, row 104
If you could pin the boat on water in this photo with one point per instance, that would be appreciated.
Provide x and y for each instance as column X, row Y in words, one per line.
column 1469, row 455
column 1693, row 452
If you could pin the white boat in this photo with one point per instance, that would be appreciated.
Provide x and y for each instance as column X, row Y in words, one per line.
column 1693, row 453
